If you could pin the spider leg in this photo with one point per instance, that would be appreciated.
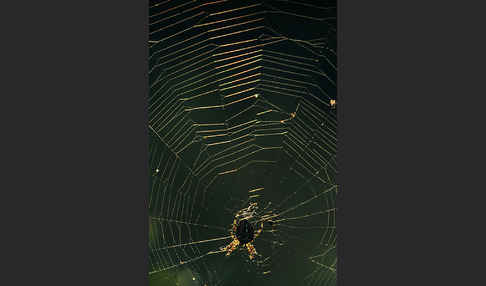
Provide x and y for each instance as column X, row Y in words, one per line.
column 234, row 243
column 231, row 247
column 251, row 250
column 233, row 229
column 257, row 233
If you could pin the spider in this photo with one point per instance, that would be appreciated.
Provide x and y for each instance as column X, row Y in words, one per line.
column 243, row 234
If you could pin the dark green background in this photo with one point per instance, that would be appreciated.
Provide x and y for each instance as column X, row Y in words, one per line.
column 289, row 263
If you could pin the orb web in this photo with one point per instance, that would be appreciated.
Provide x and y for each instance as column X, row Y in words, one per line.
column 240, row 113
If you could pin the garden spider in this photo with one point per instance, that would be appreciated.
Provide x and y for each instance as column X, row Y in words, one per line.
column 243, row 232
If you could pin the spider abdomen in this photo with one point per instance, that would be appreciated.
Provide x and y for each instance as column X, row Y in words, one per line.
column 244, row 232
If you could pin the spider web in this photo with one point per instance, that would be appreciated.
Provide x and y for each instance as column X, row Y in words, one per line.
column 240, row 113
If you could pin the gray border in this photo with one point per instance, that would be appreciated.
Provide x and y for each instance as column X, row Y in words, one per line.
column 408, row 91
column 79, row 144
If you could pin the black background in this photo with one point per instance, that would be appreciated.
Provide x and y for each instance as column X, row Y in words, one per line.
column 75, row 141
